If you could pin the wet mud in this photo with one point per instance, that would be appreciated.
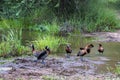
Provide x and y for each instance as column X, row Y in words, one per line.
column 105, row 36
column 66, row 68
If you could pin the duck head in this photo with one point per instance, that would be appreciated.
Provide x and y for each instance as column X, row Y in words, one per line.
column 32, row 46
column 47, row 49
column 91, row 46
column 100, row 44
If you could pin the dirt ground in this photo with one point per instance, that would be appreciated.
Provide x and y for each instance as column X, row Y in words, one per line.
column 54, row 69
column 105, row 36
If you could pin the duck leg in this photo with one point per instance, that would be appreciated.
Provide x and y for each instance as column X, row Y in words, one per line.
column 35, row 60
column 43, row 58
column 68, row 55
column 43, row 61
column 81, row 58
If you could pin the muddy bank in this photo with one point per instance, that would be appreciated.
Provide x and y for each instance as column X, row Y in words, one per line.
column 105, row 36
column 55, row 69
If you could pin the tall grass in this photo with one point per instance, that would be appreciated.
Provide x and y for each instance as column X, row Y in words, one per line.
column 11, row 38
column 50, row 41
column 11, row 43
column 53, row 27
column 10, row 23
column 46, row 28
column 88, row 15
column 95, row 16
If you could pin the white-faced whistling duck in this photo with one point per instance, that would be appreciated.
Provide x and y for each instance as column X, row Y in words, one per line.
column 88, row 47
column 84, row 51
column 68, row 50
column 40, row 55
column 81, row 53
column 100, row 49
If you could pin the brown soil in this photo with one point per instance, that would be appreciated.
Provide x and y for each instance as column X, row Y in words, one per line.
column 54, row 69
column 105, row 36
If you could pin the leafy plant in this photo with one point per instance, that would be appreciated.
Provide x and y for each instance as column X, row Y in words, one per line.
column 51, row 28
column 50, row 41
column 9, row 23
column 11, row 43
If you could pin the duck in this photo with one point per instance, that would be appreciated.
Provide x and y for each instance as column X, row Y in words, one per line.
column 40, row 55
column 84, row 51
column 88, row 47
column 100, row 49
column 68, row 50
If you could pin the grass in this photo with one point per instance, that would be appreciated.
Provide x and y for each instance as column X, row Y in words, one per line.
column 94, row 16
column 11, row 43
column 50, row 41
column 49, row 78
column 12, row 36
column 47, row 37
column 117, row 70
column 53, row 28
column 2, row 63
column 10, row 23
column 98, row 16
column 53, row 77
column 46, row 28
column 1, row 79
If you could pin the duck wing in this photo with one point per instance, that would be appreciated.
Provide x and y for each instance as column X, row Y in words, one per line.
column 42, row 54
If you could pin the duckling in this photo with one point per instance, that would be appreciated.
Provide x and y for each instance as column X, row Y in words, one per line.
column 40, row 54
column 68, row 51
column 100, row 49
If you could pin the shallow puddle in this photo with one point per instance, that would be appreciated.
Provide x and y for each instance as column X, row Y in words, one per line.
column 5, row 69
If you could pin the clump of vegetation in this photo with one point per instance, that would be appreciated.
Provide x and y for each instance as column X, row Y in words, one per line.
column 53, row 77
column 11, row 44
column 87, row 15
column 49, row 78
column 50, row 41
column 1, row 78
column 10, row 23
column 117, row 70
column 46, row 28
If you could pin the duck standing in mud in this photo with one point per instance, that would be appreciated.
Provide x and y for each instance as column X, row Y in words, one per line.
column 81, row 53
column 100, row 49
column 40, row 55
column 84, row 51
column 68, row 50
column 88, row 47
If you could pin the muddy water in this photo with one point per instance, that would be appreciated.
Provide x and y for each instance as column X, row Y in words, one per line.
column 104, row 62
column 111, row 56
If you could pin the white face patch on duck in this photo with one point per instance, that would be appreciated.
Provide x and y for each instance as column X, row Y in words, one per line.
column 33, row 48
column 47, row 49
